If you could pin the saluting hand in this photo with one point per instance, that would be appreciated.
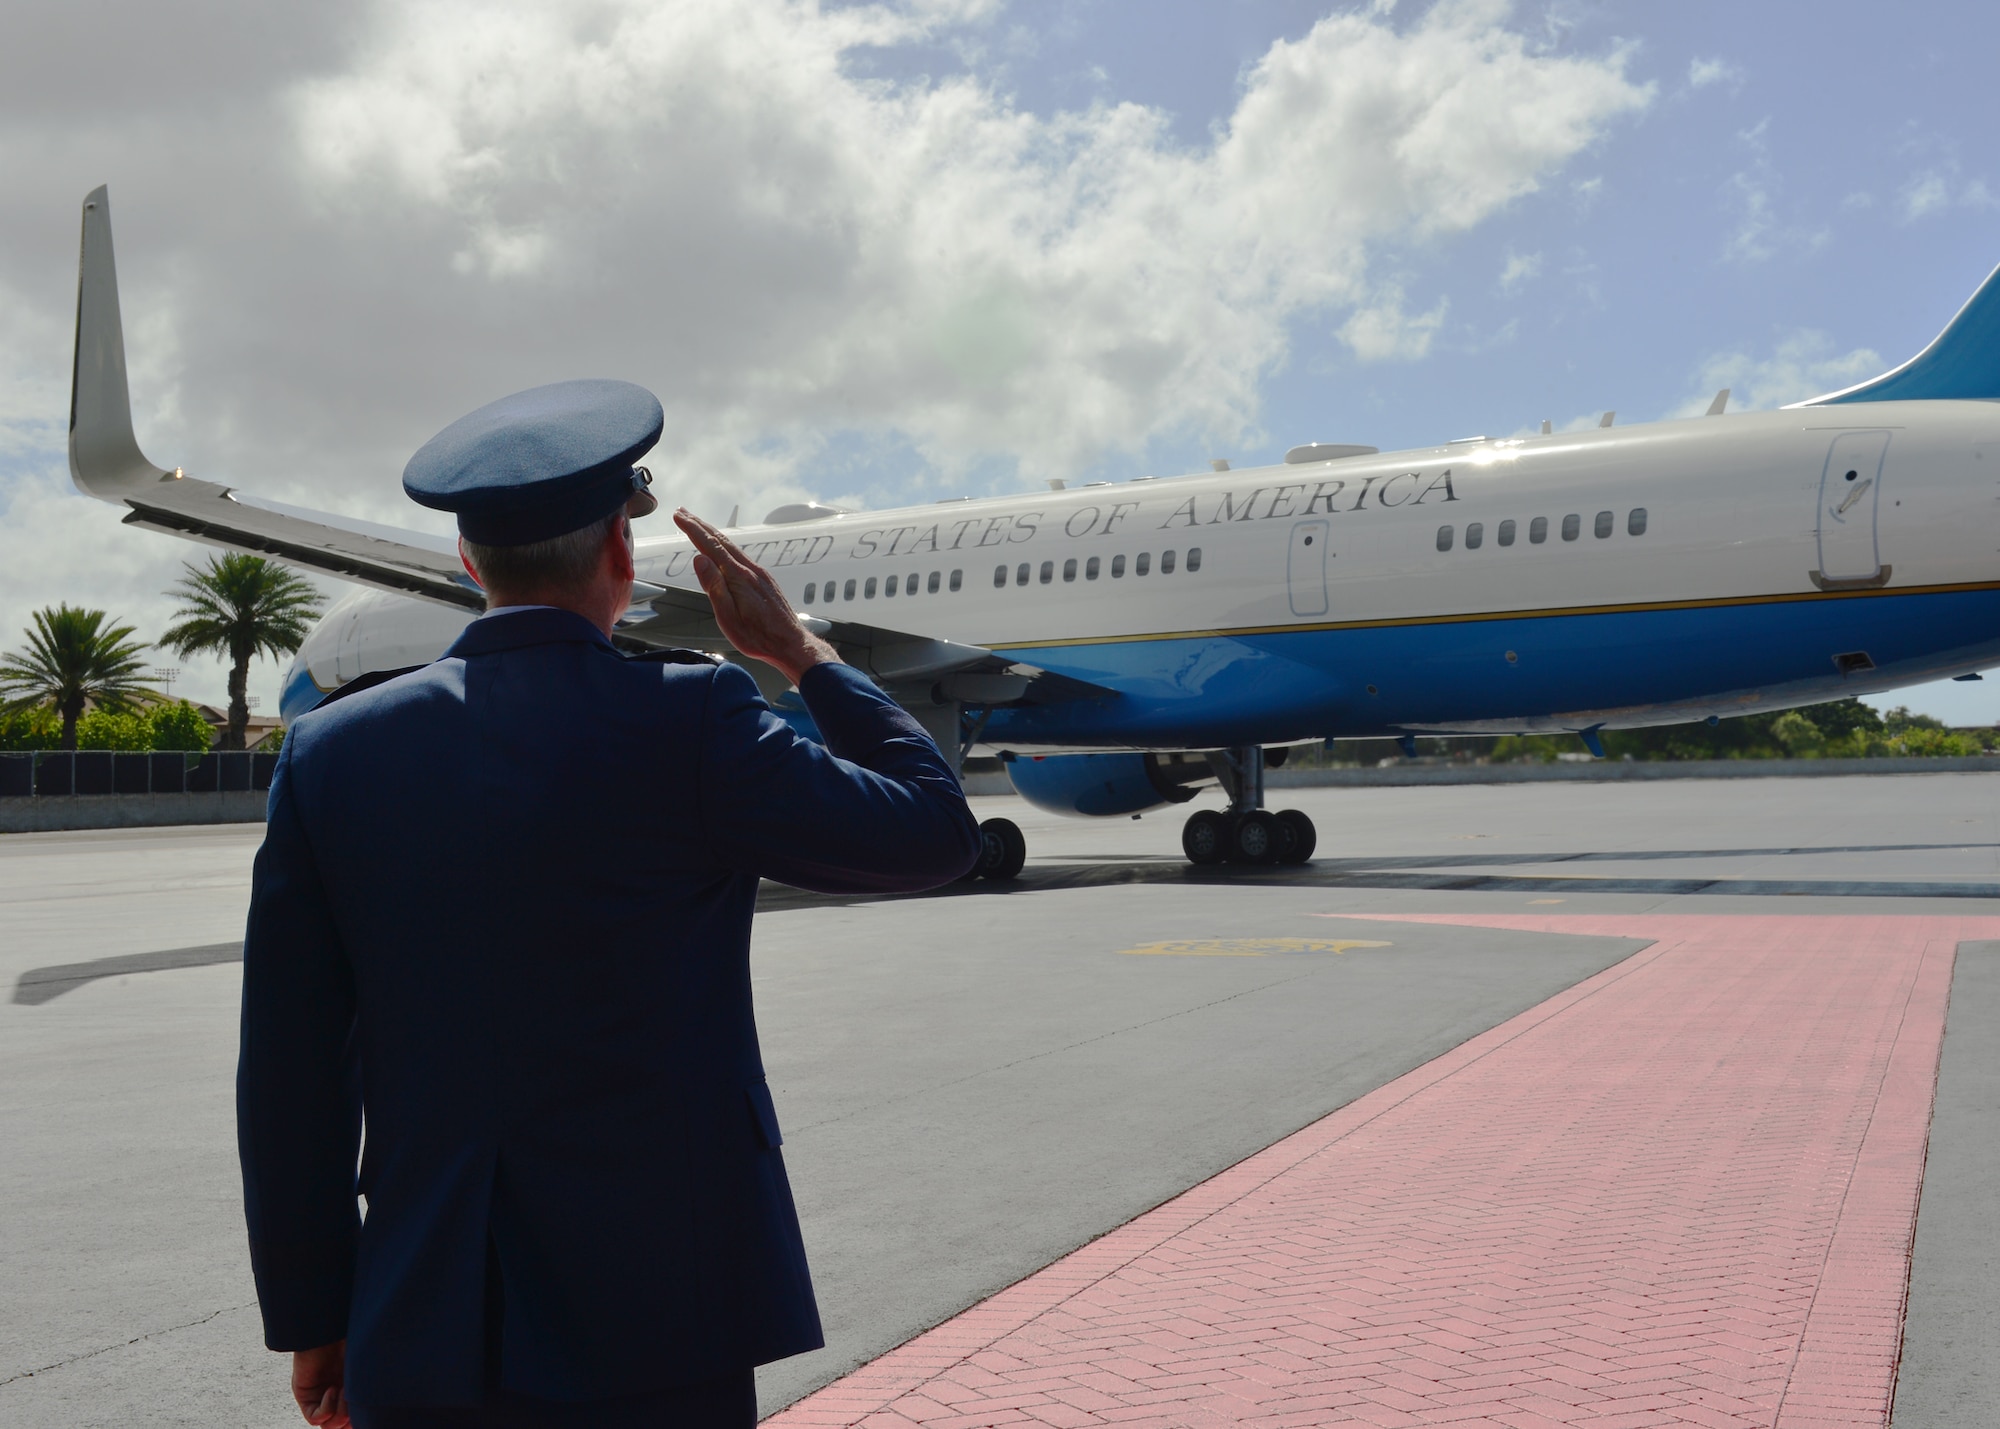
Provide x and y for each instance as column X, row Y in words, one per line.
column 754, row 615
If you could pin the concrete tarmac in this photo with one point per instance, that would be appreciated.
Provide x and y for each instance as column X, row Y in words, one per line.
column 970, row 1084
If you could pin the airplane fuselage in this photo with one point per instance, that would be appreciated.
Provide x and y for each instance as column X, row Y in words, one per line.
column 1617, row 577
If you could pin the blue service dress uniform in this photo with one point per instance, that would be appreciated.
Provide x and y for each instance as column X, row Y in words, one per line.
column 502, row 912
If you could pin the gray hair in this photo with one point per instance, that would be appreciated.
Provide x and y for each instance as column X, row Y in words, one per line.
column 565, row 560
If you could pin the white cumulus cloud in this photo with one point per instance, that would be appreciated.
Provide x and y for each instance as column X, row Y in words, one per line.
column 1802, row 364
column 838, row 285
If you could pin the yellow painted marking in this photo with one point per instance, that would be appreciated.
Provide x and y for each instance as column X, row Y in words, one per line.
column 1249, row 947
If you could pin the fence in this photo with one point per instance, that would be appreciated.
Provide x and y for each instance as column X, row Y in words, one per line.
column 61, row 773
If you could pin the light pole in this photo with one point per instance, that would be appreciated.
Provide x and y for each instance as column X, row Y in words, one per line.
column 166, row 675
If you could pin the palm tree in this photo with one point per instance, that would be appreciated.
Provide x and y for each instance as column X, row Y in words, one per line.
column 238, row 607
column 72, row 662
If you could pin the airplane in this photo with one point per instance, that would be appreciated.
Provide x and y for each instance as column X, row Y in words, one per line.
column 1121, row 646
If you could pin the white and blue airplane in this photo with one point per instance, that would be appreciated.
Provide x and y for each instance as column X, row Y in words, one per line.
column 1120, row 645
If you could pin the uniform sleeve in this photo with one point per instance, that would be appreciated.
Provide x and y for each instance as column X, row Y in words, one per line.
column 298, row 1096
column 877, row 809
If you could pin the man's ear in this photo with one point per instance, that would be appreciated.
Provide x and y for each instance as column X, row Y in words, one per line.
column 618, row 549
column 466, row 561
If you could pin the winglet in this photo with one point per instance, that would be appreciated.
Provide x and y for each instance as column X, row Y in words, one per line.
column 1720, row 404
column 1961, row 364
column 104, row 456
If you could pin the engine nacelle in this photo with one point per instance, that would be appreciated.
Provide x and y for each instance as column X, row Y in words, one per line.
column 1099, row 785
column 367, row 630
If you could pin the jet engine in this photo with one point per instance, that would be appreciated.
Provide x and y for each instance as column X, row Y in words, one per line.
column 1096, row 785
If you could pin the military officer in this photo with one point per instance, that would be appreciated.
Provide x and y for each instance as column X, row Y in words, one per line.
column 501, row 916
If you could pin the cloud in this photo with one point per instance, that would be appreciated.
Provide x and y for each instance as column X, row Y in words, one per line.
column 1802, row 364
column 1520, row 268
column 1704, row 72
column 1761, row 232
column 1383, row 332
column 418, row 205
column 1938, row 189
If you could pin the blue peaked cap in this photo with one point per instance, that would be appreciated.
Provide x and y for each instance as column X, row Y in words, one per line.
column 540, row 463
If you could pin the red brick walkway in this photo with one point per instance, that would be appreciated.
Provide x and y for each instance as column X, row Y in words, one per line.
column 1681, row 1192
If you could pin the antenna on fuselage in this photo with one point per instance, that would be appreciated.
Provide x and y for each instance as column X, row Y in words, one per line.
column 1547, row 426
column 1720, row 404
column 1606, row 419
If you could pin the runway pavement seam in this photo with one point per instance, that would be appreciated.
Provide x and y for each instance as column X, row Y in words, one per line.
column 126, row 1344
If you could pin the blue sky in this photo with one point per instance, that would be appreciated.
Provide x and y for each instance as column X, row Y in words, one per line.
column 336, row 235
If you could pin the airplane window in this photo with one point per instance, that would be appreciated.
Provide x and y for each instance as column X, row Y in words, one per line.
column 1194, row 559
column 1506, row 533
column 1166, row 563
column 957, row 579
column 1090, row 568
column 1117, row 567
column 931, row 585
column 1475, row 534
column 1069, row 569
column 888, row 588
column 1605, row 521
column 1444, row 538
column 847, row 593
column 1538, row 530
column 810, row 587
column 1635, row 524
column 1048, row 571
column 868, row 591
column 999, row 576
column 1021, row 574
column 1143, row 564
column 1572, row 524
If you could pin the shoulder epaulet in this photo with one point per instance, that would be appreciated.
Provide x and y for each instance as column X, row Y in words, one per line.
column 675, row 657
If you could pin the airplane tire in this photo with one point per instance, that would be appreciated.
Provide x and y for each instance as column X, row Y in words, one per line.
column 1205, row 837
column 1256, row 839
column 1304, row 837
column 1003, row 850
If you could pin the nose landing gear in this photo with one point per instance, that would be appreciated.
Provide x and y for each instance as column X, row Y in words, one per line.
column 1247, row 833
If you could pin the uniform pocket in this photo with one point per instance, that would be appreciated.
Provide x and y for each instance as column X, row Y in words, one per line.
column 765, row 1112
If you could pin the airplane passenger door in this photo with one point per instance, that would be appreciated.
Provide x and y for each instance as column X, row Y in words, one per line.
column 1850, row 492
column 1305, row 568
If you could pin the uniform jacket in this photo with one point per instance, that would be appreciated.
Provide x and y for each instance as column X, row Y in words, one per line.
column 503, row 905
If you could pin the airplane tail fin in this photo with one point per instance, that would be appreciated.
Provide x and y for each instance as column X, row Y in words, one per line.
column 1962, row 363
column 104, row 456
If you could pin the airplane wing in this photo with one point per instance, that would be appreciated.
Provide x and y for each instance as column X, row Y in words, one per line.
column 105, row 462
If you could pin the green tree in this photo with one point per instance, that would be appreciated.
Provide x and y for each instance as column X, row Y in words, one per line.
column 104, row 729
column 74, row 662
column 180, row 726
column 36, row 727
column 239, row 607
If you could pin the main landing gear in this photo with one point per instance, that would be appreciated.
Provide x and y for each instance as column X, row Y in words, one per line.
column 1003, row 849
column 1247, row 832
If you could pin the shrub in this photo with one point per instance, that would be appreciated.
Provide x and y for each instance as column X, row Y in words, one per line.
column 36, row 727
column 180, row 726
column 1801, row 738
column 1933, row 741
column 101, row 729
